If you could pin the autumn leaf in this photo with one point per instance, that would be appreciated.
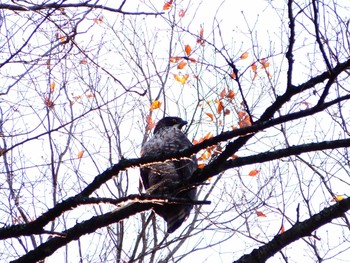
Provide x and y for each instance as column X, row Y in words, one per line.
column 254, row 67
column 220, row 107
column 210, row 115
column 201, row 31
column 265, row 65
column 49, row 103
column 208, row 136
column 337, row 198
column 227, row 112
column 231, row 94
column 188, row 50
column 150, row 123
column 201, row 165
column 260, row 214
column 80, row 154
column 98, row 20
column 167, row 5
column 155, row 105
column 52, row 86
column 282, row 229
column 60, row 37
column 181, row 65
column 241, row 114
column 182, row 79
column 192, row 60
column 182, row 13
column 254, row 172
column 83, row 61
column 233, row 75
column 175, row 59
column 223, row 93
column 200, row 40
column 244, row 55
column 204, row 156
column 245, row 122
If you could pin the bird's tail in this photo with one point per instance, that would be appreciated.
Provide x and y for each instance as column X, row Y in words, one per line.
column 174, row 215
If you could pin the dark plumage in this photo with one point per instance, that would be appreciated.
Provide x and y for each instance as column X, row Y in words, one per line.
column 163, row 178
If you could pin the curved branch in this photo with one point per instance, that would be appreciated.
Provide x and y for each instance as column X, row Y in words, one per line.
column 299, row 230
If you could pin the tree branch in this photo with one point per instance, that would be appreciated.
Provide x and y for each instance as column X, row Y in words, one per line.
column 299, row 230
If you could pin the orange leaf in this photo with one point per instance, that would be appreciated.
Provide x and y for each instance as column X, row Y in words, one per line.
column 253, row 66
column 204, row 156
column 231, row 94
column 208, row 135
column 254, row 172
column 150, row 123
column 155, row 105
column 182, row 13
column 245, row 122
column 201, row 165
column 52, row 86
column 233, row 75
column 80, row 154
column 227, row 112
column 241, row 114
column 175, row 59
column 261, row 214
column 223, row 93
column 181, row 65
column 192, row 60
column 188, row 50
column 282, row 229
column 211, row 116
column 167, row 5
column 244, row 55
column 220, row 107
column 265, row 65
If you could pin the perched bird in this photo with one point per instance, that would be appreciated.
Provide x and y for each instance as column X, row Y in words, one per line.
column 164, row 178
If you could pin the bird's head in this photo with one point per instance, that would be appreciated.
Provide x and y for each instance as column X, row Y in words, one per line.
column 170, row 122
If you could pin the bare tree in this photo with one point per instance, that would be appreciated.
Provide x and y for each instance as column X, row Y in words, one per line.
column 265, row 93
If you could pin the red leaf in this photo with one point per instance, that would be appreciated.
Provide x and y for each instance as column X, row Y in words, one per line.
column 260, row 214
column 167, row 5
column 182, row 13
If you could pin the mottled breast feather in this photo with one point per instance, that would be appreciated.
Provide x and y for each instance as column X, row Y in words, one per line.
column 163, row 178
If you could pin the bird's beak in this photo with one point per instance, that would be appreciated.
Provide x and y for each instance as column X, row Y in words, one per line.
column 183, row 123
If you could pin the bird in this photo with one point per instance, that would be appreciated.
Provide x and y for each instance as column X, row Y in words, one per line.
column 163, row 179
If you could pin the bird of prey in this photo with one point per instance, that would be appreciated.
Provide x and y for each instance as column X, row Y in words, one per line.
column 164, row 178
